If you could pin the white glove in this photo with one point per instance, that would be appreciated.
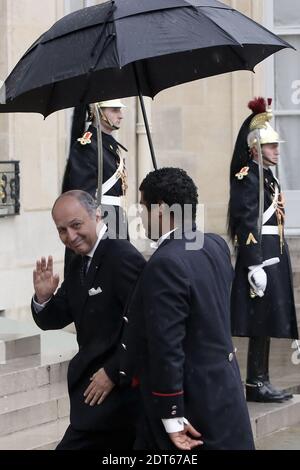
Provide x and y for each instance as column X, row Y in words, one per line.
column 257, row 279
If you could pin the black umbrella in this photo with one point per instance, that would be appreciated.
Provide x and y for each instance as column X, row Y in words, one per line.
column 125, row 48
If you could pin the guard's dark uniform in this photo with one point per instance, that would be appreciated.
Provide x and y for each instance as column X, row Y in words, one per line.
column 274, row 314
column 82, row 167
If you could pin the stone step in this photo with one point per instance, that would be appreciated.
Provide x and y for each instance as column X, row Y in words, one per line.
column 54, row 344
column 31, row 408
column 43, row 437
column 295, row 258
column 297, row 295
column 294, row 244
column 298, row 313
column 284, row 439
column 296, row 277
column 267, row 418
column 22, row 374
column 13, row 345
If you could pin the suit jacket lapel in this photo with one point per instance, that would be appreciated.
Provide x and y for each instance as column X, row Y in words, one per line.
column 96, row 261
column 92, row 273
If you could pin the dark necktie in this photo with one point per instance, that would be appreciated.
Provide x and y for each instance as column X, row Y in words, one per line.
column 84, row 267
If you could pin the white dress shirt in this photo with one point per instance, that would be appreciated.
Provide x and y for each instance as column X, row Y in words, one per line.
column 156, row 244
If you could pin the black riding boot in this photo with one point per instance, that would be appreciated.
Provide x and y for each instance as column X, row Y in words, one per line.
column 258, row 387
column 286, row 395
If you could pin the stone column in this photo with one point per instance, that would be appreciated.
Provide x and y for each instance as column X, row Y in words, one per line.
column 3, row 73
column 39, row 146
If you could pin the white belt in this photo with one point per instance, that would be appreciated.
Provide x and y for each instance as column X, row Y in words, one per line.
column 113, row 179
column 270, row 230
column 112, row 200
column 272, row 208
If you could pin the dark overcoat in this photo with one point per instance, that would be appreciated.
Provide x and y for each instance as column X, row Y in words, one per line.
column 273, row 314
column 98, row 319
column 178, row 342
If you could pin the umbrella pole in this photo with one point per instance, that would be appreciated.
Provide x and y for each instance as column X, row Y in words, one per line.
column 145, row 117
column 100, row 156
column 261, row 187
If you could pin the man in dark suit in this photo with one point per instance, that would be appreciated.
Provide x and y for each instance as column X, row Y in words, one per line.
column 178, row 330
column 93, row 296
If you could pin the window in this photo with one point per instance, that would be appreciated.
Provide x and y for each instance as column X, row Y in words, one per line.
column 286, row 13
column 286, row 22
column 283, row 83
column 73, row 5
column 287, row 104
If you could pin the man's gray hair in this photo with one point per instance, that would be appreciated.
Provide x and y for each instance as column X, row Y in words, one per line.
column 84, row 198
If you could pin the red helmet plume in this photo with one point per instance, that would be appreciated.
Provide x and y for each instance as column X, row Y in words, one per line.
column 258, row 105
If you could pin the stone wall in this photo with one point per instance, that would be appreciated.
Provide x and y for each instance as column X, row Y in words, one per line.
column 194, row 127
column 40, row 147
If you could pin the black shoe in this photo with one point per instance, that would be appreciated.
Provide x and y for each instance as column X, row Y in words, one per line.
column 286, row 395
column 257, row 391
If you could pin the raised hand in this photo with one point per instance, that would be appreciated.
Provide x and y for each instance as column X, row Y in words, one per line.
column 45, row 283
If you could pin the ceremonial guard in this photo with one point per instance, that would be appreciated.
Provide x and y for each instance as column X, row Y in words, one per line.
column 82, row 166
column 262, row 299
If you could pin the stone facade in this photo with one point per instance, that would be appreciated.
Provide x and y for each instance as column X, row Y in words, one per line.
column 194, row 126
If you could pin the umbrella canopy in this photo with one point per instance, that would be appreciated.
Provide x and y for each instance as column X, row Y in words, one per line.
column 126, row 48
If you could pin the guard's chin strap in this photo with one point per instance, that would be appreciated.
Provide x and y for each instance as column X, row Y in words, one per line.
column 265, row 159
column 105, row 119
